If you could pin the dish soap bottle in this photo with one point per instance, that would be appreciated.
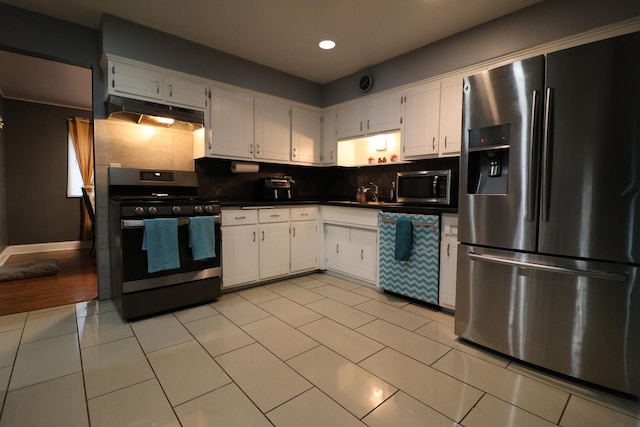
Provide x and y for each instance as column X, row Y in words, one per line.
column 392, row 193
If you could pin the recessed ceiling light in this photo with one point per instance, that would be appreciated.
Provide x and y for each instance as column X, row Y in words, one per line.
column 327, row 44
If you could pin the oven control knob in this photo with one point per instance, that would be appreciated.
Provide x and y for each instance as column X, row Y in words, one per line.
column 152, row 210
column 139, row 211
column 208, row 209
column 176, row 209
column 197, row 209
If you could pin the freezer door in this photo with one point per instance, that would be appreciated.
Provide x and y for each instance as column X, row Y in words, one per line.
column 500, row 210
column 590, row 197
column 574, row 317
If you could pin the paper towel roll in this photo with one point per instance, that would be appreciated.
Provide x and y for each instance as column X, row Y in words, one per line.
column 237, row 167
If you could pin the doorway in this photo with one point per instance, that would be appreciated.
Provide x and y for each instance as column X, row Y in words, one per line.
column 38, row 217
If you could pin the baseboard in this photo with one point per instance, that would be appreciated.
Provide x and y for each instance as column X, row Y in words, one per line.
column 4, row 255
column 43, row 247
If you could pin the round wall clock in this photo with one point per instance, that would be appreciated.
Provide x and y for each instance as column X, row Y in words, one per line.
column 365, row 83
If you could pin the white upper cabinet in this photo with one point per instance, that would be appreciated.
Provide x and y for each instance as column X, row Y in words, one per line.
column 306, row 130
column 330, row 137
column 375, row 114
column 126, row 79
column 432, row 123
column 147, row 83
column 189, row 93
column 231, row 124
column 272, row 129
column 421, row 120
column 451, row 115
column 384, row 112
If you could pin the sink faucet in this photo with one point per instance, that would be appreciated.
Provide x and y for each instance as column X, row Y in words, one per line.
column 375, row 191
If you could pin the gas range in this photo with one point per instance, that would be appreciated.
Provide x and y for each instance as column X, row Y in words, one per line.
column 165, row 206
column 148, row 194
column 139, row 203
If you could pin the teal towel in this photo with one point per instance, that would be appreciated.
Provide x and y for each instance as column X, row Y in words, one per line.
column 202, row 237
column 404, row 239
column 160, row 240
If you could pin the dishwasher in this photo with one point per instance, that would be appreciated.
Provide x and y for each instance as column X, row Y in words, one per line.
column 418, row 276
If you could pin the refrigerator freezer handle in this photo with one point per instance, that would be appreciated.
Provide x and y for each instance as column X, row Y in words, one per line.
column 618, row 277
column 546, row 150
column 531, row 199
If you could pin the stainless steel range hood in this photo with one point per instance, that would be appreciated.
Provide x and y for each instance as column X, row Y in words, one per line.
column 154, row 114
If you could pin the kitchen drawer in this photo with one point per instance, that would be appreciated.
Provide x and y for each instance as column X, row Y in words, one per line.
column 273, row 215
column 239, row 217
column 304, row 214
column 449, row 225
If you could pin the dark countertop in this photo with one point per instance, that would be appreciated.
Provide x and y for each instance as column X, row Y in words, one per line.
column 384, row 206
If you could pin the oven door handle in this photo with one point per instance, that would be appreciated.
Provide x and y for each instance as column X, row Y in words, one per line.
column 139, row 223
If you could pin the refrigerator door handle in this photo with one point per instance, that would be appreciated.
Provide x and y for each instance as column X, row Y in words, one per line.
column 531, row 199
column 546, row 149
column 618, row 277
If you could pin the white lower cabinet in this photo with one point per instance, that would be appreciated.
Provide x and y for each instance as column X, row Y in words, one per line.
column 274, row 250
column 352, row 251
column 448, row 261
column 240, row 248
column 363, row 253
column 261, row 244
column 337, row 242
column 304, row 239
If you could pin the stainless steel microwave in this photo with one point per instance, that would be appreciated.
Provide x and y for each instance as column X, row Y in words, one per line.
column 427, row 187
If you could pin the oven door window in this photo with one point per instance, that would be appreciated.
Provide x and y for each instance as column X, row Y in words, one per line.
column 134, row 259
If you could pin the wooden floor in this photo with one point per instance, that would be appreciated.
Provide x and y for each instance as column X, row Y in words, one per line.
column 76, row 282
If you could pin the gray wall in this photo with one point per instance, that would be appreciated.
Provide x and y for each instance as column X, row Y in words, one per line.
column 129, row 40
column 38, row 210
column 541, row 23
column 3, row 187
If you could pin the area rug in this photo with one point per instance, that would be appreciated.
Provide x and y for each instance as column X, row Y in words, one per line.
column 27, row 269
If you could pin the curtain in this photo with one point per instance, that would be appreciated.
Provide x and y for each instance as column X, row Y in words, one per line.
column 81, row 133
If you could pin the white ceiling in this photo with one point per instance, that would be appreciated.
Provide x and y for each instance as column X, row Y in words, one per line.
column 284, row 34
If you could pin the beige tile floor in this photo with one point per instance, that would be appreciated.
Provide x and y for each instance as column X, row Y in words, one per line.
column 311, row 351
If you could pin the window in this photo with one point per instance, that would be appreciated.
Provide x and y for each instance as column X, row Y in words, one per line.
column 74, row 178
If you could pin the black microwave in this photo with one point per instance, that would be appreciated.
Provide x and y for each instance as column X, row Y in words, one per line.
column 436, row 187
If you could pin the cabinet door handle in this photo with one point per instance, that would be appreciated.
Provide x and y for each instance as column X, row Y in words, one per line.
column 360, row 126
column 113, row 69
column 113, row 83
column 304, row 214
column 263, row 235
column 254, row 236
column 294, row 232
column 448, row 245
column 294, row 153
column 368, row 125
column 250, row 148
column 445, row 141
column 170, row 90
column 157, row 87
column 361, row 253
column 433, row 143
column 240, row 218
column 331, row 155
column 337, row 248
column 275, row 216
column 257, row 148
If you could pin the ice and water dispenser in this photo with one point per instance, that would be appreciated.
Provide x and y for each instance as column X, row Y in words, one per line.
column 488, row 164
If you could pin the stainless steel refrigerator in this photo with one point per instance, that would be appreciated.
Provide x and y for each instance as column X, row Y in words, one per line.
column 549, row 212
